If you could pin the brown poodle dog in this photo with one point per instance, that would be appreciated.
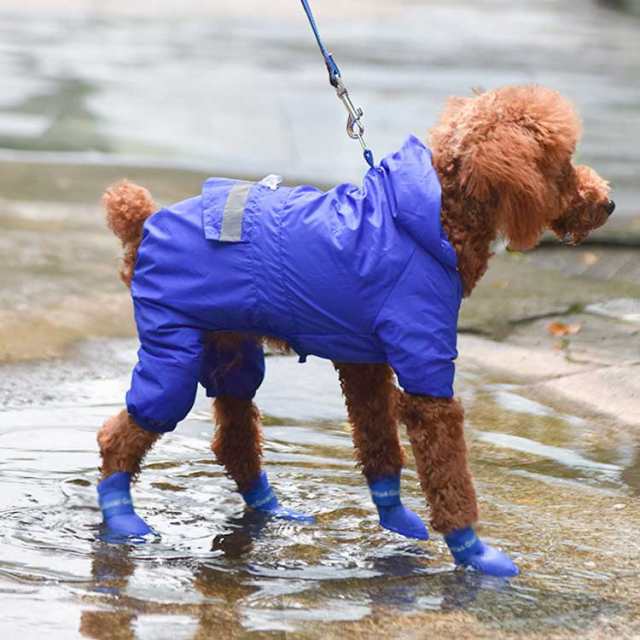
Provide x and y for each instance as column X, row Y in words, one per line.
column 503, row 160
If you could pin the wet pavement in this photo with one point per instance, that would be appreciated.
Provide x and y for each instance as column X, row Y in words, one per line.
column 558, row 473
column 558, row 490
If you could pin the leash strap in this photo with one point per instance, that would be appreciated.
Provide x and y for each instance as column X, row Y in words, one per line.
column 355, row 126
column 332, row 67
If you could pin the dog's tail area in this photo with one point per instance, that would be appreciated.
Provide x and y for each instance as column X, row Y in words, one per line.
column 127, row 206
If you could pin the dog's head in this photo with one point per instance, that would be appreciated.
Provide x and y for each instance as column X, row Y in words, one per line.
column 511, row 150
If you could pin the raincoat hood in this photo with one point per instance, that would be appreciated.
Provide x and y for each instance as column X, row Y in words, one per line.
column 415, row 181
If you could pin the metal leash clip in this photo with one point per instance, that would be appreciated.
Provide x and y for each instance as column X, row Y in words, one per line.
column 355, row 127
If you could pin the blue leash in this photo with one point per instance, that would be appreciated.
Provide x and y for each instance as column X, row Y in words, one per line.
column 355, row 127
column 332, row 67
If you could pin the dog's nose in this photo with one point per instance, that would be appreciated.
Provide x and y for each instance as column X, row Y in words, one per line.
column 611, row 207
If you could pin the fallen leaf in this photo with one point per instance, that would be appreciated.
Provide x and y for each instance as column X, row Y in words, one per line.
column 589, row 258
column 559, row 329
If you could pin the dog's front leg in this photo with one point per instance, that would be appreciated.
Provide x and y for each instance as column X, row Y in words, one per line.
column 371, row 398
column 436, row 430
column 237, row 445
column 435, row 427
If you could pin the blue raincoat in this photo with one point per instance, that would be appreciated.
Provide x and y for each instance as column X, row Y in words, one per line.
column 353, row 274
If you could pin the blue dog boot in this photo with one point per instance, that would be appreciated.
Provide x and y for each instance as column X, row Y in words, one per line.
column 114, row 497
column 469, row 551
column 394, row 516
column 261, row 498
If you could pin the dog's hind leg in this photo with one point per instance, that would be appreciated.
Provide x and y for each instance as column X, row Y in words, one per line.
column 371, row 399
column 237, row 443
column 436, row 431
column 232, row 372
column 163, row 388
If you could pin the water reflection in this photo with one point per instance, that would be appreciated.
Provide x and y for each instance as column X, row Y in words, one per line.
column 242, row 531
column 233, row 600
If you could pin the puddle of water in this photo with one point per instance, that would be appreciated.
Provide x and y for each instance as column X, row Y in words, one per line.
column 548, row 498
column 627, row 309
column 560, row 455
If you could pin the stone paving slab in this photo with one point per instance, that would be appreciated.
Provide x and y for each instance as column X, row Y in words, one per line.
column 612, row 391
column 597, row 340
column 593, row 261
column 522, row 363
column 627, row 309
column 595, row 292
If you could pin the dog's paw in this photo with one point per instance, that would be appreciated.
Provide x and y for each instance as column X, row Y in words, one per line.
column 469, row 551
column 129, row 525
column 121, row 522
column 492, row 562
column 399, row 519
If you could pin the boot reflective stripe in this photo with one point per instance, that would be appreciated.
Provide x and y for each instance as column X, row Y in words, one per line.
column 464, row 546
column 385, row 494
column 233, row 213
column 262, row 500
column 116, row 502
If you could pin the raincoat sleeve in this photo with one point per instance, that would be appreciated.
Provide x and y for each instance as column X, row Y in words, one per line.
column 417, row 326
column 165, row 379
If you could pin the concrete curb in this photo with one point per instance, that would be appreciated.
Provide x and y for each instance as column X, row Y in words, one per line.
column 613, row 391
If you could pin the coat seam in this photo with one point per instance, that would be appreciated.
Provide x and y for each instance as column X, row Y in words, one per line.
column 281, row 255
column 393, row 288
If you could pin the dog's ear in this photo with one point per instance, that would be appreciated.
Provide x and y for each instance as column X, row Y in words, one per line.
column 515, row 144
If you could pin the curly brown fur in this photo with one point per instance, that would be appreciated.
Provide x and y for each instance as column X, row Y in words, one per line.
column 277, row 345
column 436, row 430
column 584, row 211
column 370, row 395
column 123, row 445
column 127, row 206
column 237, row 443
column 504, row 161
